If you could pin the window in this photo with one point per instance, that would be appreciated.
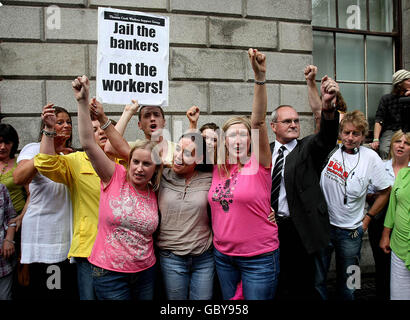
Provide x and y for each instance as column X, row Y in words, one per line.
column 357, row 43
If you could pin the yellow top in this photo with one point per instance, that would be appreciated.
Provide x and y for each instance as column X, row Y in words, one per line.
column 17, row 193
column 75, row 171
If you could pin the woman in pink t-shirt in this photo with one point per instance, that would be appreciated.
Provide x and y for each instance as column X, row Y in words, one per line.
column 246, row 242
column 123, row 256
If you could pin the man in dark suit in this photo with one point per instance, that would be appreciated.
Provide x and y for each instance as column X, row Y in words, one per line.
column 298, row 202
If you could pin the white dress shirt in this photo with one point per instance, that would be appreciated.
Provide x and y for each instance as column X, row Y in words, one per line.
column 283, row 208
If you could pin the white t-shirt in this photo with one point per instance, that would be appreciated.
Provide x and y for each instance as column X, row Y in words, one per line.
column 360, row 170
column 46, row 228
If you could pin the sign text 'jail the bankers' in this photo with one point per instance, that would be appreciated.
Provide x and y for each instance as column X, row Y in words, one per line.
column 132, row 57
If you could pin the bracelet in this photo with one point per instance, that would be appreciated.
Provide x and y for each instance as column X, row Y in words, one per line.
column 332, row 108
column 375, row 140
column 369, row 215
column 106, row 125
column 12, row 224
column 11, row 241
column 48, row 133
column 261, row 83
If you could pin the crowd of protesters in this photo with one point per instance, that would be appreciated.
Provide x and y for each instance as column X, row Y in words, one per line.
column 219, row 214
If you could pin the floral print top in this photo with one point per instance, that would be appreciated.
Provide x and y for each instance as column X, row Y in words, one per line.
column 127, row 219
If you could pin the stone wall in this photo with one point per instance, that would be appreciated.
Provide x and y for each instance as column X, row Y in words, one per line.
column 208, row 61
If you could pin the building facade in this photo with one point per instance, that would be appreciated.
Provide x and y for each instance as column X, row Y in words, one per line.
column 45, row 44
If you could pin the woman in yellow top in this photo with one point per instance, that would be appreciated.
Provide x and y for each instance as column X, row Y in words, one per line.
column 75, row 171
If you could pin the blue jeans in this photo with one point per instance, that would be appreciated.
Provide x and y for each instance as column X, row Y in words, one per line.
column 347, row 245
column 259, row 275
column 85, row 279
column 111, row 285
column 188, row 277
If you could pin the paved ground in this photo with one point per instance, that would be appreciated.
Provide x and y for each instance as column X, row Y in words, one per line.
column 367, row 292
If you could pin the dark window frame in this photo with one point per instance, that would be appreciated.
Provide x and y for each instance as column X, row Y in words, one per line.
column 395, row 35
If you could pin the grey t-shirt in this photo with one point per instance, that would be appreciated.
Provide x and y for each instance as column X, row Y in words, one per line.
column 185, row 226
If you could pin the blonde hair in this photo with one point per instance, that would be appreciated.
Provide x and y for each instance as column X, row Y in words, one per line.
column 155, row 156
column 396, row 136
column 223, row 154
column 358, row 119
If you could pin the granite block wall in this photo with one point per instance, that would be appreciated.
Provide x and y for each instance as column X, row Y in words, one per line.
column 39, row 56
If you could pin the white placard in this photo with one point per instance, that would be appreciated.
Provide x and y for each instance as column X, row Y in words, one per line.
column 132, row 57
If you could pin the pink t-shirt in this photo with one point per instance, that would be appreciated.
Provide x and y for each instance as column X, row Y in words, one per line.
column 240, row 205
column 126, row 222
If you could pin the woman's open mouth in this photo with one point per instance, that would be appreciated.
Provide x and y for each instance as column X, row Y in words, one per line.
column 139, row 176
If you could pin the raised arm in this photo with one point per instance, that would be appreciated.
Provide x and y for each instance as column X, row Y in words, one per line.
column 193, row 116
column 328, row 88
column 326, row 137
column 117, row 141
column 129, row 111
column 49, row 118
column 259, row 106
column 103, row 166
column 313, row 94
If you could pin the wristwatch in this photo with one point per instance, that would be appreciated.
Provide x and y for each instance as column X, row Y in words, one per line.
column 370, row 215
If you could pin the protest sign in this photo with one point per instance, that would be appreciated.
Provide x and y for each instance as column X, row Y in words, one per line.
column 132, row 57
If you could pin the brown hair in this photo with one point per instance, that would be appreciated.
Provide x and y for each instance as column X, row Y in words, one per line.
column 58, row 110
column 209, row 125
column 340, row 103
column 356, row 118
column 9, row 134
column 142, row 107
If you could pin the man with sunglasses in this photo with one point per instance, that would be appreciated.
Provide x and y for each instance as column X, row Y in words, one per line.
column 299, row 205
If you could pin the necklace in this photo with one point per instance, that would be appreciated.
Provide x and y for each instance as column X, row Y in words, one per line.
column 4, row 168
column 141, row 195
column 350, row 172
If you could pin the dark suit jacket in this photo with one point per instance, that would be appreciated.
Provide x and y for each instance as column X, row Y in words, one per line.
column 307, row 204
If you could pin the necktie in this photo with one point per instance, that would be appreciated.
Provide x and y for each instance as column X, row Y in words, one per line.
column 276, row 179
